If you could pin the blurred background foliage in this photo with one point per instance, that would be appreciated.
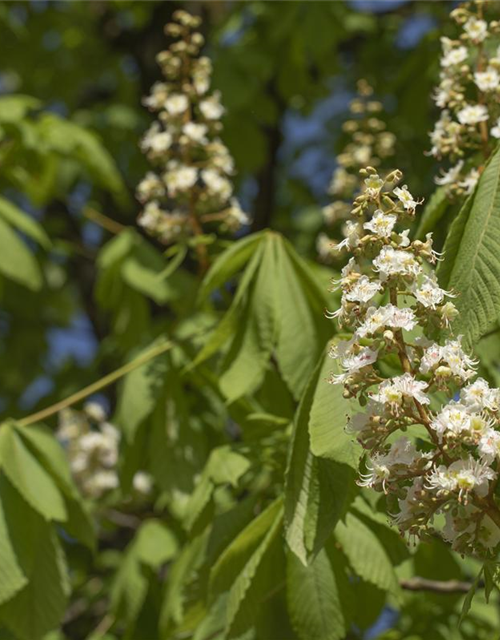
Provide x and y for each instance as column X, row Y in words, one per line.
column 286, row 72
column 79, row 297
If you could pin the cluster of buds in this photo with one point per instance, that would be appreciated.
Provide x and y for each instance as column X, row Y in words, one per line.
column 91, row 444
column 368, row 144
column 469, row 96
column 412, row 376
column 191, row 186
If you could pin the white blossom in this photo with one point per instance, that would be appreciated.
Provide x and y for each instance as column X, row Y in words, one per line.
column 463, row 477
column 473, row 114
column 195, row 132
column 477, row 30
column 211, row 108
column 478, row 396
column 392, row 261
column 487, row 80
column 176, row 104
column 363, row 290
column 495, row 131
column 180, row 178
column 451, row 176
column 381, row 224
column 351, row 231
column 392, row 392
column 429, row 294
column 454, row 56
column 405, row 197
column 470, row 181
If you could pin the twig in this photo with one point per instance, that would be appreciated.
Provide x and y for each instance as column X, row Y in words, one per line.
column 437, row 586
column 96, row 386
column 103, row 626
column 103, row 221
column 125, row 520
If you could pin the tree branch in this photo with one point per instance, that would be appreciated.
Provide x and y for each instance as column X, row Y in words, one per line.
column 437, row 586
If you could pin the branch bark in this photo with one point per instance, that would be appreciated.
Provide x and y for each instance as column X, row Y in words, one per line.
column 437, row 586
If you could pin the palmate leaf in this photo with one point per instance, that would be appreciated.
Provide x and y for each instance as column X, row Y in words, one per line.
column 300, row 309
column 140, row 392
column 14, row 108
column 17, row 262
column 152, row 546
column 472, row 261
column 69, row 139
column 229, row 263
column 38, row 499
column 318, row 490
column 329, row 417
column 41, row 442
column 366, row 555
column 234, row 558
column 278, row 311
column 28, row 476
column 13, row 579
column 223, row 467
column 23, row 222
column 38, row 606
column 255, row 580
column 173, row 606
column 315, row 596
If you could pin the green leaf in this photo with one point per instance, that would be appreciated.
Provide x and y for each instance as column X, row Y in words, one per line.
column 23, row 222
column 129, row 588
column 467, row 603
column 198, row 501
column 317, row 491
column 46, row 448
column 246, row 362
column 13, row 579
column 140, row 392
column 191, row 555
column 43, row 444
column 68, row 138
column 230, row 262
column 366, row 555
column 314, row 600
column 17, row 263
column 472, row 263
column 223, row 467
column 14, row 108
column 433, row 212
column 328, row 418
column 388, row 536
column 234, row 558
column 153, row 545
column 303, row 328
column 226, row 466
column 39, row 606
column 29, row 477
column 228, row 325
column 142, row 270
column 254, row 581
column 116, row 249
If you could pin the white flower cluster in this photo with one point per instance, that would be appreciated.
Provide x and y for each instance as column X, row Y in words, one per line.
column 441, row 475
column 469, row 96
column 91, row 444
column 368, row 144
column 192, row 184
